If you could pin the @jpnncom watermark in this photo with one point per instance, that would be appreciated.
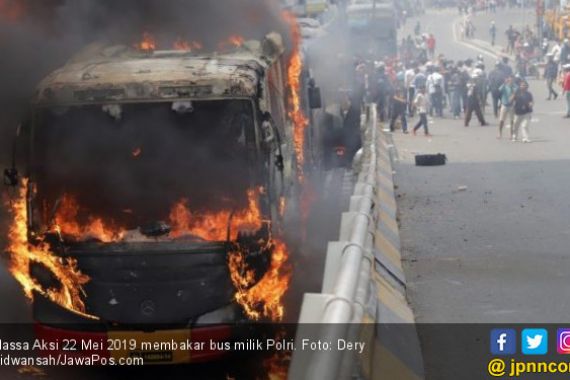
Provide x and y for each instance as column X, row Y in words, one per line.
column 513, row 368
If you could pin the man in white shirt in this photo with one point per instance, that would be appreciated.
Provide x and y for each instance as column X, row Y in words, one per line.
column 555, row 52
column 436, row 85
column 421, row 104
column 410, row 87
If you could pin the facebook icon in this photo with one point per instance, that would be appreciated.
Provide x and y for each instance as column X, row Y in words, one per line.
column 503, row 342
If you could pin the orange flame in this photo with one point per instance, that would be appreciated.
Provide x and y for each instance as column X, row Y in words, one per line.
column 12, row 10
column 66, row 221
column 277, row 365
column 214, row 226
column 263, row 299
column 235, row 41
column 296, row 114
column 183, row 45
column 22, row 254
column 148, row 42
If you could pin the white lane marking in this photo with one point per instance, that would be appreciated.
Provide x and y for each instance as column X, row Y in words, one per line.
column 461, row 42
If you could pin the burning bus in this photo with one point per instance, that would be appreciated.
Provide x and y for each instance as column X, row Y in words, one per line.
column 156, row 181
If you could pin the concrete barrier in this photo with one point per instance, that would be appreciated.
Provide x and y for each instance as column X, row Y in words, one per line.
column 363, row 295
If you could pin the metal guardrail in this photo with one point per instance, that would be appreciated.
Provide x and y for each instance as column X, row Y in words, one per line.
column 340, row 308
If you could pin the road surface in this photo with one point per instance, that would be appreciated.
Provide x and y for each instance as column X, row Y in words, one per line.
column 498, row 251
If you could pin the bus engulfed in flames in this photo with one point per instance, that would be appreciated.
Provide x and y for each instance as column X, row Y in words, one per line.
column 259, row 298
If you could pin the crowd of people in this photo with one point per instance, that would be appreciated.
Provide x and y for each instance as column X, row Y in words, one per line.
column 425, row 86
column 463, row 88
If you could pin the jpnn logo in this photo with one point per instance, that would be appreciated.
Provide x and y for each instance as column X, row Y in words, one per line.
column 534, row 341
column 504, row 342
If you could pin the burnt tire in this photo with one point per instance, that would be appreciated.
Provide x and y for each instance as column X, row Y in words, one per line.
column 431, row 160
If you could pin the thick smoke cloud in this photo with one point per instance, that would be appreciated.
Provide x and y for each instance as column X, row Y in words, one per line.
column 37, row 36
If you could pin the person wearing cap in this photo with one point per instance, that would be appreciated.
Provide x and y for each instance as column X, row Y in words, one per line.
column 523, row 105
column 550, row 75
column 566, row 88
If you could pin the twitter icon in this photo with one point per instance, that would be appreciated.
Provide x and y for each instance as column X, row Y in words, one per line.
column 534, row 342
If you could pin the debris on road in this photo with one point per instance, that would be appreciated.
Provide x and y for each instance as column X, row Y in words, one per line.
column 431, row 159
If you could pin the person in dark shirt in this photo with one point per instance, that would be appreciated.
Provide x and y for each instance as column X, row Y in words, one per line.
column 399, row 106
column 474, row 103
column 550, row 74
column 496, row 79
column 454, row 88
column 524, row 103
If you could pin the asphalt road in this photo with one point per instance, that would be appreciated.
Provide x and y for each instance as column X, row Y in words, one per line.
column 498, row 251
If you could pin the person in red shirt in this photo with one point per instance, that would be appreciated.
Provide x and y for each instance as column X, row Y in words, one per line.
column 566, row 88
column 431, row 45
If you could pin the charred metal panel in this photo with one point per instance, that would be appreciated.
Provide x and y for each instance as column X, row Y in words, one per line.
column 154, row 282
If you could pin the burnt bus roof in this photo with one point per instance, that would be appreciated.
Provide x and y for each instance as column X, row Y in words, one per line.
column 113, row 74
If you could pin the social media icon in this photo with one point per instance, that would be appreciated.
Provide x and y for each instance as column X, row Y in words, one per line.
column 563, row 341
column 534, row 342
column 504, row 342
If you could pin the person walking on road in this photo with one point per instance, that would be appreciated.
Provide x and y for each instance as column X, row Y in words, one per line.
column 493, row 33
column 399, row 110
column 430, row 42
column 417, row 29
column 523, row 105
column 496, row 80
column 454, row 85
column 421, row 105
column 410, row 75
column 474, row 102
column 435, row 86
column 551, row 74
column 507, row 95
column 566, row 88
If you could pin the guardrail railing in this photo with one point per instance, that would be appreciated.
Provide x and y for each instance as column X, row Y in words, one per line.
column 340, row 308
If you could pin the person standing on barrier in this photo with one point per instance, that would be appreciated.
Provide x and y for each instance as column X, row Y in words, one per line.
column 421, row 105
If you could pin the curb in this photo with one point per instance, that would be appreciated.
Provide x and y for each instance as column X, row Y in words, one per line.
column 395, row 352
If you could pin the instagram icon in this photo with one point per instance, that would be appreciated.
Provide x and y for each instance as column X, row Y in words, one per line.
column 563, row 342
